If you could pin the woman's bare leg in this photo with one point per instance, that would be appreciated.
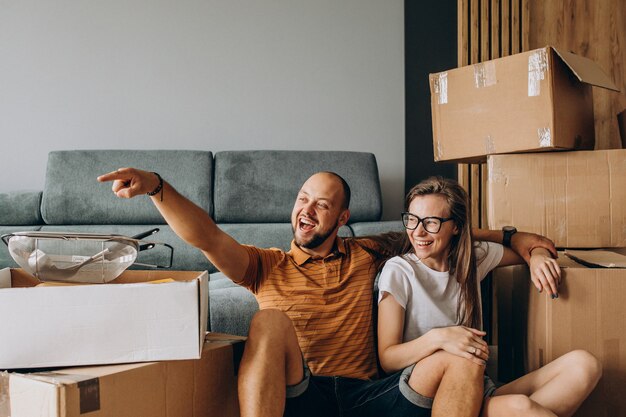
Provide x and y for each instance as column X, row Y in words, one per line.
column 559, row 387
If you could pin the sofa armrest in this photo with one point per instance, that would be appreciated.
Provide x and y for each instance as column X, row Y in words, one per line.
column 20, row 208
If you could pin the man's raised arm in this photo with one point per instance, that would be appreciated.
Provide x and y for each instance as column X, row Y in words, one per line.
column 187, row 220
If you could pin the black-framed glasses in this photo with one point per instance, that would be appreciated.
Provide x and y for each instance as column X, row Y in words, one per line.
column 431, row 224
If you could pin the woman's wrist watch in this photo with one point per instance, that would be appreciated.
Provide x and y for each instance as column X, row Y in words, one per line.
column 507, row 234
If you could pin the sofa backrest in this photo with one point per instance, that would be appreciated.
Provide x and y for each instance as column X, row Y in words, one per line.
column 249, row 193
column 72, row 196
column 261, row 186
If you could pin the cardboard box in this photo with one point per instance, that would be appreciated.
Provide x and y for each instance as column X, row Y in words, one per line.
column 203, row 387
column 589, row 314
column 577, row 199
column 533, row 101
column 124, row 321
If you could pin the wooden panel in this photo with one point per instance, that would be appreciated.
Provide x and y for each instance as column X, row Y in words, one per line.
column 525, row 28
column 594, row 29
column 474, row 31
column 485, row 25
column 515, row 27
column 505, row 27
column 495, row 29
column 463, row 32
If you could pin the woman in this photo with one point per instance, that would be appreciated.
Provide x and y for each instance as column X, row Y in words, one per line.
column 429, row 301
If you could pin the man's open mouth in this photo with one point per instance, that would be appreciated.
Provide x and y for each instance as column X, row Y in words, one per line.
column 306, row 224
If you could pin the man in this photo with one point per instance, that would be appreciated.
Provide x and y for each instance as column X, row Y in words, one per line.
column 311, row 349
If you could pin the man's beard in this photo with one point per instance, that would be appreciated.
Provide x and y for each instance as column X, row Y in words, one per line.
column 317, row 239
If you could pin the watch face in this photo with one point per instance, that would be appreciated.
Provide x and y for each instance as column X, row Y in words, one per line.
column 509, row 229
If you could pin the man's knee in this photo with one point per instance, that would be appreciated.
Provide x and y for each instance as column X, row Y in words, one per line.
column 270, row 322
column 272, row 340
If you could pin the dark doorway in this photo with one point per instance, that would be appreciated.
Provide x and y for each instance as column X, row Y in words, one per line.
column 430, row 45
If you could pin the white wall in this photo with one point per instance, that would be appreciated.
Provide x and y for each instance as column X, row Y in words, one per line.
column 201, row 74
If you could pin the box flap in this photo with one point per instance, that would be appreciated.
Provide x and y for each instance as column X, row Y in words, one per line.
column 566, row 261
column 586, row 70
column 598, row 258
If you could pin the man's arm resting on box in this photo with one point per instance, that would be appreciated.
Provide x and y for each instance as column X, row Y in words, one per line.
column 190, row 222
column 522, row 243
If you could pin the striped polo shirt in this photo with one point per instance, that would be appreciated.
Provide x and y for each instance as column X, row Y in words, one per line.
column 329, row 301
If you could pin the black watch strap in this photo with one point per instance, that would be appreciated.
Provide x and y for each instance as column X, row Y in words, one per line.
column 507, row 234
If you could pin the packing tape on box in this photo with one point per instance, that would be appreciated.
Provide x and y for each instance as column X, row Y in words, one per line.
column 5, row 398
column 484, row 74
column 88, row 387
column 495, row 176
column 438, row 151
column 89, row 395
column 490, row 145
column 545, row 137
column 440, row 86
column 537, row 67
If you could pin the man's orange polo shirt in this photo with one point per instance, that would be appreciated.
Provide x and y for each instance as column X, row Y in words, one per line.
column 330, row 302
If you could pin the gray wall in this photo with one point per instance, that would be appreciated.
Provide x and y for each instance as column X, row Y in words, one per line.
column 204, row 74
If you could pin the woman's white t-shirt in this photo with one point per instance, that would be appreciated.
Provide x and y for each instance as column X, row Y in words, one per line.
column 430, row 297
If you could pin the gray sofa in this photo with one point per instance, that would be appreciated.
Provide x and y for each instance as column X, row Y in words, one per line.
column 250, row 195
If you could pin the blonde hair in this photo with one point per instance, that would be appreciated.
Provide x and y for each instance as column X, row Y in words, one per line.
column 461, row 259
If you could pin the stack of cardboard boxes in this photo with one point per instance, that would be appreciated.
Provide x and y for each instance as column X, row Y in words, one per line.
column 515, row 113
column 150, row 324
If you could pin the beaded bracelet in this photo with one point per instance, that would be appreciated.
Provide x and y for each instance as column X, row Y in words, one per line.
column 159, row 187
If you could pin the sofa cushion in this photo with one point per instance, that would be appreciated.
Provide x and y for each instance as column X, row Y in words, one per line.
column 231, row 310
column 20, row 208
column 73, row 196
column 261, row 186
column 375, row 228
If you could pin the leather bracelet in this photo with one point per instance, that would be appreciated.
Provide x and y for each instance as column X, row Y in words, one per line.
column 159, row 187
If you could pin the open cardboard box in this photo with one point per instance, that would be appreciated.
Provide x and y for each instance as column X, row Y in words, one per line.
column 127, row 320
column 204, row 387
column 533, row 101
column 589, row 314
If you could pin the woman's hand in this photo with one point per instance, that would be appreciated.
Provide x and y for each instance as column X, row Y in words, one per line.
column 462, row 341
column 545, row 272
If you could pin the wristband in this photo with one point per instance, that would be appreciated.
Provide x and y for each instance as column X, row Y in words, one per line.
column 507, row 234
column 159, row 188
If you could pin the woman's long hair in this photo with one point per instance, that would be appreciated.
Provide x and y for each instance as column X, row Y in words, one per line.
column 461, row 259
